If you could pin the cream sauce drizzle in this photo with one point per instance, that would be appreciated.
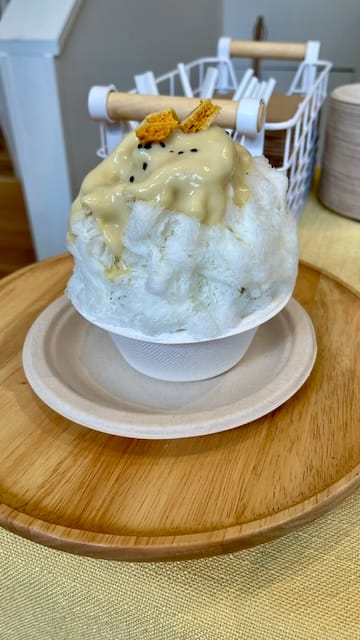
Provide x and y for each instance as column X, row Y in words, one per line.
column 188, row 173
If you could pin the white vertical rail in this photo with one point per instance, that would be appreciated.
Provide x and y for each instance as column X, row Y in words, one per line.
column 32, row 105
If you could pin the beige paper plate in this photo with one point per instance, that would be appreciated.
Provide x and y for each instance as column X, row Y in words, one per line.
column 75, row 369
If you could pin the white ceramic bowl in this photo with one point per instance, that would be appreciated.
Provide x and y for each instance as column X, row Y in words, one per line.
column 177, row 357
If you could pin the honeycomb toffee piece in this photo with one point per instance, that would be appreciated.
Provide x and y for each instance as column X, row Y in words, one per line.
column 157, row 126
column 201, row 118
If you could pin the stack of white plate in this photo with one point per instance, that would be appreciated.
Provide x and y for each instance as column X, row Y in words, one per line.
column 340, row 176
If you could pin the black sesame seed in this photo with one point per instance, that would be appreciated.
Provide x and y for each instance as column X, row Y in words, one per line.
column 162, row 144
column 140, row 146
column 171, row 150
column 180, row 152
column 144, row 166
column 148, row 145
column 194, row 150
column 132, row 178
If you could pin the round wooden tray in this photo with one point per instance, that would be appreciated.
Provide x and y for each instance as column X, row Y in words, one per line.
column 95, row 494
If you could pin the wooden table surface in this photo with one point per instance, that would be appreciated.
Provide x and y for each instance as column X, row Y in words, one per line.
column 42, row 476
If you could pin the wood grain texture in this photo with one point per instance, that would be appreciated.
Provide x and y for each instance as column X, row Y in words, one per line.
column 263, row 49
column 134, row 106
column 16, row 245
column 90, row 493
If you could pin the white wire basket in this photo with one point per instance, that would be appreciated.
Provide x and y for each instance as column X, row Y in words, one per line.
column 216, row 78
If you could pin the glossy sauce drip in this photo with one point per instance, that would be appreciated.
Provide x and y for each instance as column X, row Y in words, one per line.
column 188, row 173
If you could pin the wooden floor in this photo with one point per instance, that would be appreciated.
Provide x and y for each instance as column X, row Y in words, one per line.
column 16, row 247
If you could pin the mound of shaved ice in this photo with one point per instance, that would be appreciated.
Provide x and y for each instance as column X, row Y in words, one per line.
column 186, row 276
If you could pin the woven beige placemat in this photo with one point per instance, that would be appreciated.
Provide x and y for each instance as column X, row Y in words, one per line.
column 304, row 586
column 330, row 242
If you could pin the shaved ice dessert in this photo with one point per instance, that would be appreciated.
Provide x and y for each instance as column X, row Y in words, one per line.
column 182, row 236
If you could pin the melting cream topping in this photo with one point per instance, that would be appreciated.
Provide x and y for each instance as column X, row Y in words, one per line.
column 187, row 173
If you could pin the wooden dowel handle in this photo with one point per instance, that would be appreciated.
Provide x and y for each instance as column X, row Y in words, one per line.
column 271, row 50
column 133, row 106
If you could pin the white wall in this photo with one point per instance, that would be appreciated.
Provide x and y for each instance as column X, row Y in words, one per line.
column 109, row 42
column 336, row 24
